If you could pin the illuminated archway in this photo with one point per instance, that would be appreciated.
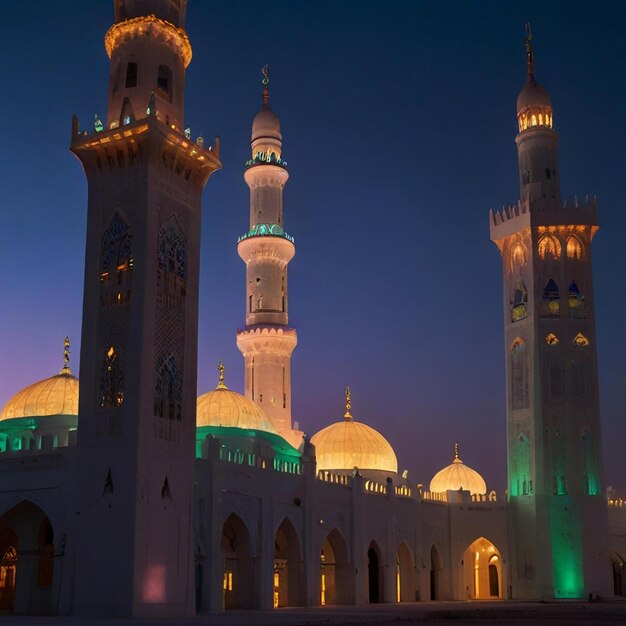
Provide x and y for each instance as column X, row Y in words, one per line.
column 335, row 573
column 287, row 566
column 238, row 582
column 26, row 560
column 482, row 571
column 405, row 574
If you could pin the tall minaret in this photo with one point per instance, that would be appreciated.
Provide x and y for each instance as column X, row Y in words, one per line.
column 140, row 319
column 267, row 341
column 558, row 518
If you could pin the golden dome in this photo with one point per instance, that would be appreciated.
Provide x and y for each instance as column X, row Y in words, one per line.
column 348, row 444
column 57, row 395
column 458, row 476
column 223, row 407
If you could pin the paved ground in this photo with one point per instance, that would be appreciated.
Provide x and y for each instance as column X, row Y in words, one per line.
column 407, row 614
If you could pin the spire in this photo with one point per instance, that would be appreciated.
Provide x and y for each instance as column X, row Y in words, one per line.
column 266, row 81
column 348, row 414
column 221, row 384
column 456, row 453
column 66, row 357
column 529, row 52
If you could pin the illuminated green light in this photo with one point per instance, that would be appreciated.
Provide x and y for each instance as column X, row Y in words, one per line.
column 567, row 558
column 266, row 230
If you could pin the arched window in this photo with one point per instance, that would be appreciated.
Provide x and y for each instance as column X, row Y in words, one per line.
column 521, row 480
column 173, row 249
column 111, row 380
column 574, row 248
column 549, row 246
column 551, row 305
column 168, row 393
column 519, row 301
column 575, row 302
column 518, row 257
column 116, row 254
column 519, row 376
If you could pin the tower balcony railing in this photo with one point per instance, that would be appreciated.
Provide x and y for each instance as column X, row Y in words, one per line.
column 267, row 230
column 262, row 158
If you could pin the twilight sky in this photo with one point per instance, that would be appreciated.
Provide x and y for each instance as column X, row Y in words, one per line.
column 398, row 121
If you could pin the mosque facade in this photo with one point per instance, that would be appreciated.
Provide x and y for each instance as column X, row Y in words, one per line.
column 126, row 494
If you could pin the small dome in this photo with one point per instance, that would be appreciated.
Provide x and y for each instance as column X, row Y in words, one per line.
column 266, row 125
column 348, row 444
column 533, row 95
column 57, row 395
column 223, row 407
column 458, row 476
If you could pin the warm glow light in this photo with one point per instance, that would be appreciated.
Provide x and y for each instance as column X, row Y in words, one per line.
column 154, row 585
column 549, row 246
column 552, row 339
column 581, row 341
column 574, row 248
column 148, row 25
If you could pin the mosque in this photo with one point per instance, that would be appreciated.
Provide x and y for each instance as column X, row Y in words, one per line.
column 125, row 494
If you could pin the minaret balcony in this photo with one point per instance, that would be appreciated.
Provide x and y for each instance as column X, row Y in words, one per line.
column 272, row 247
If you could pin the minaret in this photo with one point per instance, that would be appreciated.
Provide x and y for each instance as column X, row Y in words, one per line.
column 267, row 341
column 558, row 518
column 140, row 318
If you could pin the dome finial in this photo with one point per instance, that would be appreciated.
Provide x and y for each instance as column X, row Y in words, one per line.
column 456, row 452
column 348, row 414
column 265, row 70
column 221, row 384
column 529, row 52
column 66, row 357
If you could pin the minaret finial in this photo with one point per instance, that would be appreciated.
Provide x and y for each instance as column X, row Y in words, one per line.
column 265, row 70
column 221, row 384
column 456, row 452
column 529, row 52
column 348, row 414
column 66, row 356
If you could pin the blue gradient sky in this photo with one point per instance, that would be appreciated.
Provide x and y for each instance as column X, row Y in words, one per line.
column 399, row 123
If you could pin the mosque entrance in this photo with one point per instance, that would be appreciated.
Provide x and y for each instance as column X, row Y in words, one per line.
column 287, row 566
column 619, row 575
column 374, row 574
column 238, row 582
column 405, row 578
column 26, row 560
column 482, row 571
column 335, row 575
column 435, row 568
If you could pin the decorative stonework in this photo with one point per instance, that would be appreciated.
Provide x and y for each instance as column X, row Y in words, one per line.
column 169, row 339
